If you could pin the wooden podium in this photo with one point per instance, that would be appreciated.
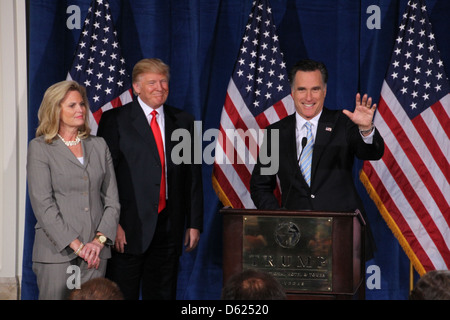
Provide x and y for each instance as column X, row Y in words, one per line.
column 315, row 255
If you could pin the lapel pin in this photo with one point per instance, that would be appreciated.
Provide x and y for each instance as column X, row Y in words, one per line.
column 329, row 129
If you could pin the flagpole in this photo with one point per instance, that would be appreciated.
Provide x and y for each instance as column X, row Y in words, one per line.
column 411, row 277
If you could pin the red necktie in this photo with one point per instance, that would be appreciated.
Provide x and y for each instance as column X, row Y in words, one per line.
column 159, row 142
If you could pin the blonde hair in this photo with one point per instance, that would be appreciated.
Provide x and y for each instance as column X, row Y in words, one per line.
column 153, row 65
column 50, row 109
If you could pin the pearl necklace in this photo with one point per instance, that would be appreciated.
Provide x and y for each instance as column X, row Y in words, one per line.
column 70, row 143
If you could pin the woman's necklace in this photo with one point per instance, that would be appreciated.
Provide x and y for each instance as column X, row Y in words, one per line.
column 70, row 143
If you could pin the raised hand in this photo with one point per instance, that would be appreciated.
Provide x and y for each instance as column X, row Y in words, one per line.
column 363, row 113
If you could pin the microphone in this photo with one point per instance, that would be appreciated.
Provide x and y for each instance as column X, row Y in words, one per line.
column 304, row 142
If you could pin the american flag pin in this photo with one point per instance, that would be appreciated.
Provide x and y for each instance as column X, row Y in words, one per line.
column 329, row 129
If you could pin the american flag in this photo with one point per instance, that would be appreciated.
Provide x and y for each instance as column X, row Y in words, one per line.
column 411, row 184
column 258, row 94
column 99, row 65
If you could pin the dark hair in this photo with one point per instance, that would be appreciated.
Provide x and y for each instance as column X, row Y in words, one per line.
column 253, row 285
column 433, row 285
column 97, row 289
column 308, row 65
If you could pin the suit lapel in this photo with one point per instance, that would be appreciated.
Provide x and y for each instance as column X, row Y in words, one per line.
column 290, row 138
column 65, row 152
column 140, row 123
column 324, row 133
column 170, row 126
column 87, row 148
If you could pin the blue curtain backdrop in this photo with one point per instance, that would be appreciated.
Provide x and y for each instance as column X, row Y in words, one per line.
column 200, row 40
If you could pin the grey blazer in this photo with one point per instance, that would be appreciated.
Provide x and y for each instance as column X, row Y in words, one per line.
column 71, row 200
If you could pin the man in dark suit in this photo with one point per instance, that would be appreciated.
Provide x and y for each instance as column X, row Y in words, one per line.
column 159, row 198
column 336, row 137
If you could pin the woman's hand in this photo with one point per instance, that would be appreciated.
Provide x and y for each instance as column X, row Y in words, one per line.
column 90, row 253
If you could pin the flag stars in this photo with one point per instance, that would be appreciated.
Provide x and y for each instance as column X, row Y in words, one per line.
column 260, row 63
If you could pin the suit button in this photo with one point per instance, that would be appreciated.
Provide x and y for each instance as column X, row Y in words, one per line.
column 313, row 196
column 86, row 209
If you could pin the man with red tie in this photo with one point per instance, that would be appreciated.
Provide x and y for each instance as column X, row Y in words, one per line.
column 159, row 199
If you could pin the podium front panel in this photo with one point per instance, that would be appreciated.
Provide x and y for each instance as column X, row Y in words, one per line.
column 314, row 254
column 295, row 250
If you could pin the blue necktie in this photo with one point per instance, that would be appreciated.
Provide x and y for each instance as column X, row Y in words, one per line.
column 306, row 157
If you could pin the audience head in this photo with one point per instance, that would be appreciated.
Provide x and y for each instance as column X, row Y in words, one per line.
column 253, row 285
column 433, row 285
column 97, row 289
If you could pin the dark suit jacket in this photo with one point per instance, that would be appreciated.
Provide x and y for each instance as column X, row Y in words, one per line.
column 138, row 171
column 337, row 142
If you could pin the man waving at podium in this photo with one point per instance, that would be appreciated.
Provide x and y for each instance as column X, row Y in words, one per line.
column 317, row 147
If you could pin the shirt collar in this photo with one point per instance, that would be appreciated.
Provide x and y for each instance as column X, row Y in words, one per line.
column 147, row 109
column 301, row 121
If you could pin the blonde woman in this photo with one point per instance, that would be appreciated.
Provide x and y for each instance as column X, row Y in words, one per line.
column 73, row 192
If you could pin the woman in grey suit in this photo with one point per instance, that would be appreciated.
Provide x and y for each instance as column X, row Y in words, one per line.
column 73, row 192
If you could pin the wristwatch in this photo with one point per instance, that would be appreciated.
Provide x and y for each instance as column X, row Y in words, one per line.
column 101, row 238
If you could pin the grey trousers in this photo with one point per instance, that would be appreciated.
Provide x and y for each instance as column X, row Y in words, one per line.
column 56, row 280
